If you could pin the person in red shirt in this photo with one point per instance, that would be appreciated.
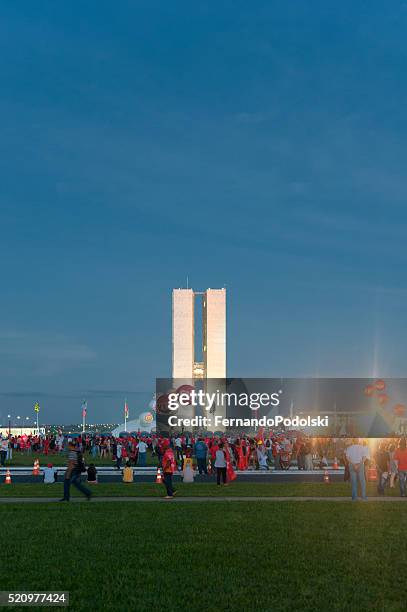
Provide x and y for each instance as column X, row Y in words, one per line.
column 400, row 457
column 245, row 451
column 230, row 472
column 168, row 463
column 241, row 463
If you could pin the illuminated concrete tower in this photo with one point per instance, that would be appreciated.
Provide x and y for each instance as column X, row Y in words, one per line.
column 213, row 365
column 183, row 337
column 214, row 333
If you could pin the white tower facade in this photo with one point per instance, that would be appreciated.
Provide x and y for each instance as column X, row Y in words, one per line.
column 214, row 333
column 213, row 364
column 183, row 337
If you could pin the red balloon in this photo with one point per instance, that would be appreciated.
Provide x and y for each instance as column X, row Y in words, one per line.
column 369, row 390
column 162, row 400
column 380, row 385
column 185, row 389
column 399, row 410
column 162, row 403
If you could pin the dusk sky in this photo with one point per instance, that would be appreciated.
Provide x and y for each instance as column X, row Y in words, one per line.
column 258, row 146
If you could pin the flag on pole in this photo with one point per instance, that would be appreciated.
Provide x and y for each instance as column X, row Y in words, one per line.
column 126, row 410
column 36, row 407
column 84, row 408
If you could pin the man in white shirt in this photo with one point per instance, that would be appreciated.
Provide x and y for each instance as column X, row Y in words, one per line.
column 178, row 448
column 60, row 442
column 356, row 454
column 220, row 465
column 119, row 449
column 142, row 453
column 49, row 474
column 3, row 451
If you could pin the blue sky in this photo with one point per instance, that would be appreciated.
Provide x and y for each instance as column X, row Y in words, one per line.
column 261, row 146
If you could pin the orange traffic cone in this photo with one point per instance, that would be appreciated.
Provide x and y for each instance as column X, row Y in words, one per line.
column 36, row 468
column 326, row 477
column 7, row 479
column 159, row 477
column 335, row 465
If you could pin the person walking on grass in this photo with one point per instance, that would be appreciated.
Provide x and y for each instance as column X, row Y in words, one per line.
column 201, row 451
column 220, row 465
column 356, row 454
column 73, row 473
column 178, row 449
column 4, row 450
column 142, row 453
column 119, row 453
column 168, row 464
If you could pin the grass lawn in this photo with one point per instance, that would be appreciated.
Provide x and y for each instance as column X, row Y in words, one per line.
column 297, row 489
column 311, row 556
column 22, row 459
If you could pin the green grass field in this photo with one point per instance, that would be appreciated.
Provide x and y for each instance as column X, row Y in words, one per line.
column 311, row 556
column 22, row 459
column 249, row 489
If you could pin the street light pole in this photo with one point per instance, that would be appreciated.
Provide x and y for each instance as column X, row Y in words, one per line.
column 37, row 410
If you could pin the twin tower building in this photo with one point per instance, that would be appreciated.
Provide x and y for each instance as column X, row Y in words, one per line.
column 212, row 353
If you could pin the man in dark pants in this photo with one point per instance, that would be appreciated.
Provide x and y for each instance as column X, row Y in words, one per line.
column 3, row 451
column 221, row 465
column 178, row 450
column 201, row 451
column 383, row 467
column 119, row 454
column 73, row 474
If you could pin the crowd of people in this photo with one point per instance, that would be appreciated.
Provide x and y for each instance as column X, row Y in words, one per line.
column 131, row 448
column 388, row 463
column 262, row 452
column 247, row 453
column 224, row 455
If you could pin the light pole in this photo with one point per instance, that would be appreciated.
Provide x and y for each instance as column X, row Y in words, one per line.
column 21, row 431
column 37, row 410
column 9, row 424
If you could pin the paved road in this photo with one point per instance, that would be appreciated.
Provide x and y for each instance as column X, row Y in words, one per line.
column 183, row 500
